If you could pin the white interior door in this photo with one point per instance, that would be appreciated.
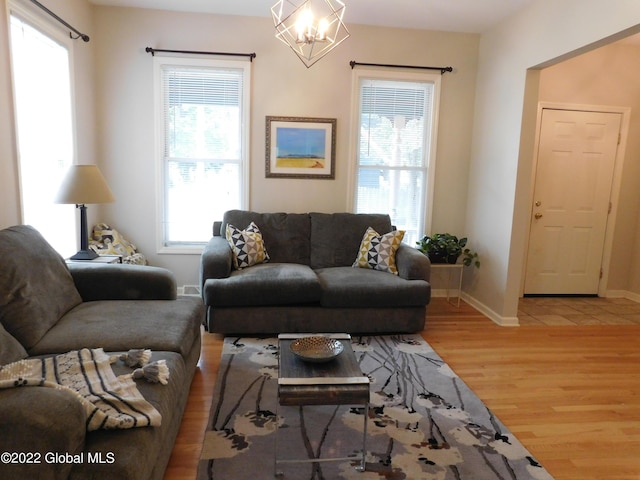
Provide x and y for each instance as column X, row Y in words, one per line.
column 576, row 157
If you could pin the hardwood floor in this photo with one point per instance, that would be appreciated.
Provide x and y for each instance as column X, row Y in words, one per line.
column 570, row 393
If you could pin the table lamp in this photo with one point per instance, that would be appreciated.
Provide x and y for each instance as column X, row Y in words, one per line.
column 84, row 184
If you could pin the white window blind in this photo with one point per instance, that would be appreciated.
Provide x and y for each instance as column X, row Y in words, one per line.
column 394, row 141
column 204, row 146
column 44, row 126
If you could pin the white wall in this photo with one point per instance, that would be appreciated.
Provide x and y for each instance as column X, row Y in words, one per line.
column 500, row 170
column 281, row 86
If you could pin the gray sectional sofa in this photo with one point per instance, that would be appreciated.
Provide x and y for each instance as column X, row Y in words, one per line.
column 49, row 308
column 309, row 284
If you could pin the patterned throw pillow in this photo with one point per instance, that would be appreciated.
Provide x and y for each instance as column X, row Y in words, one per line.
column 105, row 240
column 247, row 246
column 378, row 252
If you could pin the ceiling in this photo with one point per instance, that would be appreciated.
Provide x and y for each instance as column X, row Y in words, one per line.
column 470, row 16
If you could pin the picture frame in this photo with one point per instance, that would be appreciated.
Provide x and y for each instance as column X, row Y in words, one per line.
column 300, row 147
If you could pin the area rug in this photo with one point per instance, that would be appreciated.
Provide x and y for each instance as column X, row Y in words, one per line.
column 424, row 422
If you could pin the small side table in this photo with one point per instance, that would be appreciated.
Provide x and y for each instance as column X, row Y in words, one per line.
column 100, row 259
column 450, row 268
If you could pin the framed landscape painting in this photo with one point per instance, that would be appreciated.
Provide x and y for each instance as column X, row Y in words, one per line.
column 300, row 147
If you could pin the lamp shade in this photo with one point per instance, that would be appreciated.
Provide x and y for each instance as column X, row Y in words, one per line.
column 84, row 184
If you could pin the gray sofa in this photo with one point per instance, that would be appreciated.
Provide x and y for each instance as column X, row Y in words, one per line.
column 48, row 308
column 309, row 284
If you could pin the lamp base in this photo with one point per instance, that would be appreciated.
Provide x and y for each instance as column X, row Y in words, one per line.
column 84, row 255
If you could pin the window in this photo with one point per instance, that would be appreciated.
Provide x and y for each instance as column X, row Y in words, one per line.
column 204, row 107
column 41, row 67
column 395, row 132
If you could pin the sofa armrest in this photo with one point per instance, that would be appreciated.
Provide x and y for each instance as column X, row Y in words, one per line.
column 216, row 260
column 40, row 420
column 412, row 264
column 123, row 282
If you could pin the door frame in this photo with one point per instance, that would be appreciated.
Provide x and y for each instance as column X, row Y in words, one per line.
column 625, row 112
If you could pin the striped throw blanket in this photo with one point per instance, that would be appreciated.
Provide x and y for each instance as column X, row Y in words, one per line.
column 110, row 401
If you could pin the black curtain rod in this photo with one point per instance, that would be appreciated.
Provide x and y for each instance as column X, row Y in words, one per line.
column 80, row 35
column 153, row 51
column 443, row 70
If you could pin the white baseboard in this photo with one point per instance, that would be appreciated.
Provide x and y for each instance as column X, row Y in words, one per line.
column 513, row 321
column 482, row 308
column 623, row 294
column 493, row 316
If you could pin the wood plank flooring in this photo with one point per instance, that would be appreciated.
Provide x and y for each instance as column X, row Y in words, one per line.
column 571, row 394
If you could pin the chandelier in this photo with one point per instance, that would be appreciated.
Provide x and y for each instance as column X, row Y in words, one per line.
column 311, row 29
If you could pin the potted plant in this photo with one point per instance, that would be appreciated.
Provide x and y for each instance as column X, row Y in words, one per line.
column 447, row 248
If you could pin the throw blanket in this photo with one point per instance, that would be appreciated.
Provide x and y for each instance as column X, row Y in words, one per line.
column 110, row 401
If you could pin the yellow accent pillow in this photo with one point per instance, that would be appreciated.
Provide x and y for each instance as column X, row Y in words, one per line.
column 378, row 252
column 247, row 246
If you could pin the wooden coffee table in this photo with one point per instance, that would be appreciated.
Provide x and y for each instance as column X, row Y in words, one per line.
column 336, row 382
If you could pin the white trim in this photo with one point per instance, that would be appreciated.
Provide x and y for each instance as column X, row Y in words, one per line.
column 245, row 171
column 52, row 29
column 623, row 294
column 383, row 74
column 488, row 312
column 41, row 20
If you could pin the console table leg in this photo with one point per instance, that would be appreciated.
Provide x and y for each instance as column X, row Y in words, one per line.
column 363, row 461
column 277, row 473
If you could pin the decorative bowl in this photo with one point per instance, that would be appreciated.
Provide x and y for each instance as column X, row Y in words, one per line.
column 316, row 349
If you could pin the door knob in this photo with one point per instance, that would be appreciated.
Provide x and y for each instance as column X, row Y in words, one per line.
column 537, row 216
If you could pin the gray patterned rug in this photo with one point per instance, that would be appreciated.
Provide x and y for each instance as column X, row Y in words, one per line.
column 424, row 422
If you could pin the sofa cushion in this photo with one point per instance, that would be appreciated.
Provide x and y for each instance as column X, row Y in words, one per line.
column 247, row 246
column 170, row 325
column 43, row 420
column 286, row 235
column 358, row 287
column 336, row 237
column 123, row 445
column 265, row 284
column 36, row 288
column 378, row 252
column 10, row 349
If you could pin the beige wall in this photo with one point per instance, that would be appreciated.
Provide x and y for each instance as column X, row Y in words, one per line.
column 609, row 76
column 281, row 86
column 483, row 171
column 500, row 180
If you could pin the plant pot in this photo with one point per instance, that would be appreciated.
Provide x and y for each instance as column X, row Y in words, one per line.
column 436, row 258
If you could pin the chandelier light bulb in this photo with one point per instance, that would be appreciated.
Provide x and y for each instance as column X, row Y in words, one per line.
column 321, row 33
column 304, row 26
